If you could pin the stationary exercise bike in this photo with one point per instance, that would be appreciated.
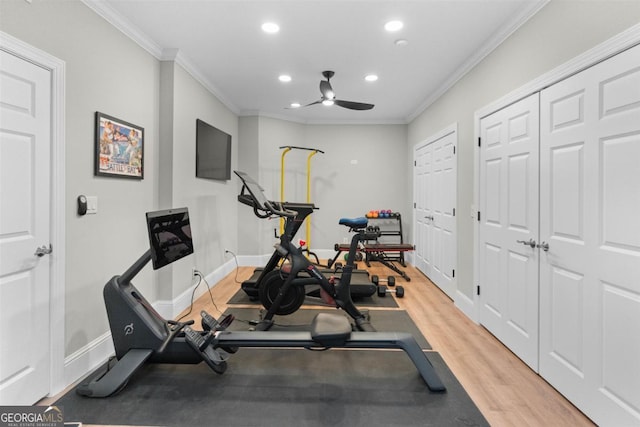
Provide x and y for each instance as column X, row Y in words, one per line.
column 272, row 276
column 285, row 293
column 141, row 335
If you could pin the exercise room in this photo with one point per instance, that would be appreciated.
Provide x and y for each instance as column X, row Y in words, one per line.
column 340, row 213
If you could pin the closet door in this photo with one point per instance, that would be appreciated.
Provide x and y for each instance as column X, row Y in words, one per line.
column 423, row 179
column 590, row 219
column 508, row 230
column 435, row 225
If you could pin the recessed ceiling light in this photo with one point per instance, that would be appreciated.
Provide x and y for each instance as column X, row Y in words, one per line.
column 284, row 78
column 401, row 42
column 295, row 105
column 371, row 77
column 392, row 26
column 270, row 27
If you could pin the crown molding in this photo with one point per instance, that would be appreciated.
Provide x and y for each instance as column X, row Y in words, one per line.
column 125, row 26
column 496, row 40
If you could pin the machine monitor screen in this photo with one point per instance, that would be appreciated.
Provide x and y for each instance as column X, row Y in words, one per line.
column 169, row 236
column 254, row 189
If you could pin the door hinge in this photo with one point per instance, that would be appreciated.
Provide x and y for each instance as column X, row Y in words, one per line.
column 415, row 163
column 453, row 273
column 478, row 216
column 454, row 211
column 479, row 142
column 478, row 290
column 414, row 205
column 454, row 149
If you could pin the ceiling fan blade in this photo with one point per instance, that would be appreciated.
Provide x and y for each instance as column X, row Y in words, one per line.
column 326, row 90
column 313, row 103
column 353, row 105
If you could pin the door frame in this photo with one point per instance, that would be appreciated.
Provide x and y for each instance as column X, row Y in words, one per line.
column 56, row 67
column 599, row 53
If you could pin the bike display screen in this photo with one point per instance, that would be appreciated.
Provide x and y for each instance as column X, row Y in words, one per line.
column 169, row 236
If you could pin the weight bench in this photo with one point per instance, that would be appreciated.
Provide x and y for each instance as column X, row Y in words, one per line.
column 384, row 253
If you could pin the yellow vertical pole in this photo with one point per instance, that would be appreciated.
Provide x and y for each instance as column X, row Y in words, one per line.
column 286, row 150
column 308, row 220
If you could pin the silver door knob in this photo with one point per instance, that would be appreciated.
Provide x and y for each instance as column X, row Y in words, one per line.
column 43, row 250
column 531, row 243
column 544, row 246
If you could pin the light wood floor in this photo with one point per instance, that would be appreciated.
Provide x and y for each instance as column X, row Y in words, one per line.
column 505, row 390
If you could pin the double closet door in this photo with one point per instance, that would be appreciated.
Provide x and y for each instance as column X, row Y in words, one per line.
column 560, row 235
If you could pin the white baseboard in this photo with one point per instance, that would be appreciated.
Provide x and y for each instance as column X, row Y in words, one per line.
column 467, row 306
column 170, row 309
column 88, row 358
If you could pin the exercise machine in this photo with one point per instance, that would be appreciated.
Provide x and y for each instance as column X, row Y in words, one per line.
column 141, row 335
column 283, row 292
column 272, row 276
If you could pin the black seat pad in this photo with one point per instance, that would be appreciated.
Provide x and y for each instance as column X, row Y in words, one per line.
column 330, row 329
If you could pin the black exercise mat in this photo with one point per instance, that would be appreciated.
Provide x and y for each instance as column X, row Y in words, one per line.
column 277, row 387
column 241, row 298
column 382, row 321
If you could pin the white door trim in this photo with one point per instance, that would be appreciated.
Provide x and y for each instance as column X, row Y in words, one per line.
column 599, row 53
column 56, row 67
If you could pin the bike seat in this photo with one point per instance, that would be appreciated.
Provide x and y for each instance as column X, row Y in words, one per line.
column 354, row 223
column 330, row 330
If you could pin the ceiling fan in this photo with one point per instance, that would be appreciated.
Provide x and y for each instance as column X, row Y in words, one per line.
column 329, row 97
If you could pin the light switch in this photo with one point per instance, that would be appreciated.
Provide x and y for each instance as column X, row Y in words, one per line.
column 92, row 205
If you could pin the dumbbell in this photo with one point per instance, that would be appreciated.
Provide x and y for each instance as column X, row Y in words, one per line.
column 383, row 291
column 391, row 281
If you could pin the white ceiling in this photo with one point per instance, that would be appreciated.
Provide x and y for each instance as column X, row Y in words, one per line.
column 221, row 43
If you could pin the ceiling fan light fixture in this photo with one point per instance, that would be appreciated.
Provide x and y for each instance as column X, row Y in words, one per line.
column 295, row 105
column 285, row 78
column 270, row 27
column 327, row 102
column 393, row 26
column 371, row 77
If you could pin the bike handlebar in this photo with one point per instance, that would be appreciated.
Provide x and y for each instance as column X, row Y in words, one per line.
column 281, row 210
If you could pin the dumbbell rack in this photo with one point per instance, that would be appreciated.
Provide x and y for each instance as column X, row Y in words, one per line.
column 388, row 252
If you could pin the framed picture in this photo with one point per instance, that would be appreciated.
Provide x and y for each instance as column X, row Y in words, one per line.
column 119, row 148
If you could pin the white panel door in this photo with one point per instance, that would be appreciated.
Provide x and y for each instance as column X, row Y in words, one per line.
column 508, row 229
column 423, row 193
column 590, row 218
column 25, row 126
column 435, row 209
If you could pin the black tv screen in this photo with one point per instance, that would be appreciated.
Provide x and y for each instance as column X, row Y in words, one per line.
column 213, row 152
column 169, row 236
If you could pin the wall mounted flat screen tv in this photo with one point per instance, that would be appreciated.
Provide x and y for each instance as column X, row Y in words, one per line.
column 213, row 152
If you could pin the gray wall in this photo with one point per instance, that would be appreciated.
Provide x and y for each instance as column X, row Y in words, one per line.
column 363, row 168
column 561, row 31
column 211, row 203
column 107, row 72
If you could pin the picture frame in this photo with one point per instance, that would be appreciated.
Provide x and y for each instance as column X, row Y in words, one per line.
column 119, row 148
